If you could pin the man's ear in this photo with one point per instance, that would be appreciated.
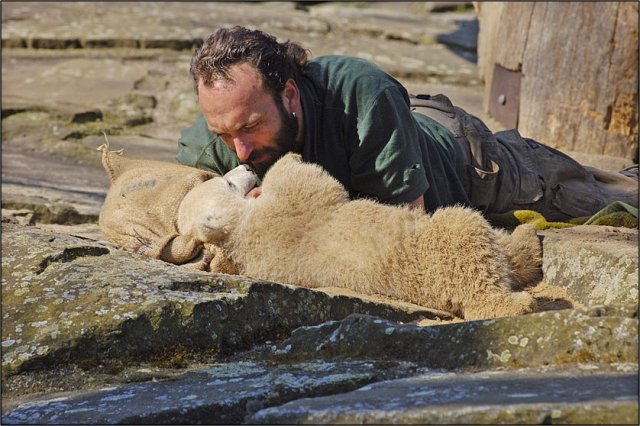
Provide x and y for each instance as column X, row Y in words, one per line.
column 291, row 95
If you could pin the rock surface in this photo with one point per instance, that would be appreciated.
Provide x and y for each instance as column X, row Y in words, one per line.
column 93, row 334
column 548, row 338
column 219, row 393
column 530, row 396
column 596, row 264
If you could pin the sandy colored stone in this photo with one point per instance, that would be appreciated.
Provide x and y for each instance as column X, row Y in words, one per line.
column 595, row 264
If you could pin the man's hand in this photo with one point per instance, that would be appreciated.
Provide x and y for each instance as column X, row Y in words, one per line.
column 418, row 203
column 255, row 192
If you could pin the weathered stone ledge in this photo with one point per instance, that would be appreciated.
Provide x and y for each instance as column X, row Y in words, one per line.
column 596, row 264
column 349, row 391
column 28, row 213
column 595, row 334
column 535, row 396
column 219, row 393
column 110, row 317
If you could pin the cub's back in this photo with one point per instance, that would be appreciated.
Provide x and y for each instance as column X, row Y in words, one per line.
column 349, row 246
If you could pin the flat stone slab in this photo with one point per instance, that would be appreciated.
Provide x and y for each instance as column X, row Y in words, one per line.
column 219, row 393
column 597, row 334
column 596, row 264
column 527, row 396
column 74, row 76
column 351, row 391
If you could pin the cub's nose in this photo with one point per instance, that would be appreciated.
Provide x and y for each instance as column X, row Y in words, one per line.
column 241, row 167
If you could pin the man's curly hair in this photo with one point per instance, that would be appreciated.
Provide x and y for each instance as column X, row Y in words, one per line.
column 276, row 62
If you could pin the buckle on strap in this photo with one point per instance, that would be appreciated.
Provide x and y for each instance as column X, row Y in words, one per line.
column 439, row 102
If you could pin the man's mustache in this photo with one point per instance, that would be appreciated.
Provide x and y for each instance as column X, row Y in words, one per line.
column 265, row 153
column 268, row 156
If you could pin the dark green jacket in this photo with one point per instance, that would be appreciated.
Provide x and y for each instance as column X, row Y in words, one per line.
column 358, row 126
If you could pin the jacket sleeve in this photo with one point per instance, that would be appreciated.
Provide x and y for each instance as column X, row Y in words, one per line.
column 387, row 161
column 198, row 147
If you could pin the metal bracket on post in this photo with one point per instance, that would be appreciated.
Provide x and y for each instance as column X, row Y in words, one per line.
column 504, row 101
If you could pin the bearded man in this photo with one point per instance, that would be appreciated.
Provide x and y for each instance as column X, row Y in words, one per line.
column 261, row 99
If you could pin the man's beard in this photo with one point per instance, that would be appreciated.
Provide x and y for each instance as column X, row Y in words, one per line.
column 283, row 142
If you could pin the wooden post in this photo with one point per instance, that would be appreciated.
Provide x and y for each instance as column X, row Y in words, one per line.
column 579, row 71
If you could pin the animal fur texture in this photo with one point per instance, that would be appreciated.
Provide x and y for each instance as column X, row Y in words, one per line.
column 140, row 211
column 304, row 230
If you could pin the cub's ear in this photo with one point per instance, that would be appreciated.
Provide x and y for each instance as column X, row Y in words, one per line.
column 284, row 164
column 293, row 157
column 210, row 228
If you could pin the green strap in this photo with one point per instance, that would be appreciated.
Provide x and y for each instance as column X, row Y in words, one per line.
column 618, row 214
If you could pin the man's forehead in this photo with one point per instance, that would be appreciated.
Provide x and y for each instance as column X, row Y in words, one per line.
column 227, row 107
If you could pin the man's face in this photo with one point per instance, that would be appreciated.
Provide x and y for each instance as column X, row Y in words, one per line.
column 257, row 127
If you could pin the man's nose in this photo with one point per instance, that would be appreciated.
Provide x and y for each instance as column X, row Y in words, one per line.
column 243, row 149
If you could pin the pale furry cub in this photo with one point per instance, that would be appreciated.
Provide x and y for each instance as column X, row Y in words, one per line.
column 304, row 230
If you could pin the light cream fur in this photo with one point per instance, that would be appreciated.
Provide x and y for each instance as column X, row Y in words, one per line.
column 201, row 205
column 304, row 230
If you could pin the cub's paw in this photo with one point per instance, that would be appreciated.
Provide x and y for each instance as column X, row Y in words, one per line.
column 501, row 305
column 210, row 228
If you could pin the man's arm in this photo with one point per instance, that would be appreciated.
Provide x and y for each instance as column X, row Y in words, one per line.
column 198, row 147
column 387, row 162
